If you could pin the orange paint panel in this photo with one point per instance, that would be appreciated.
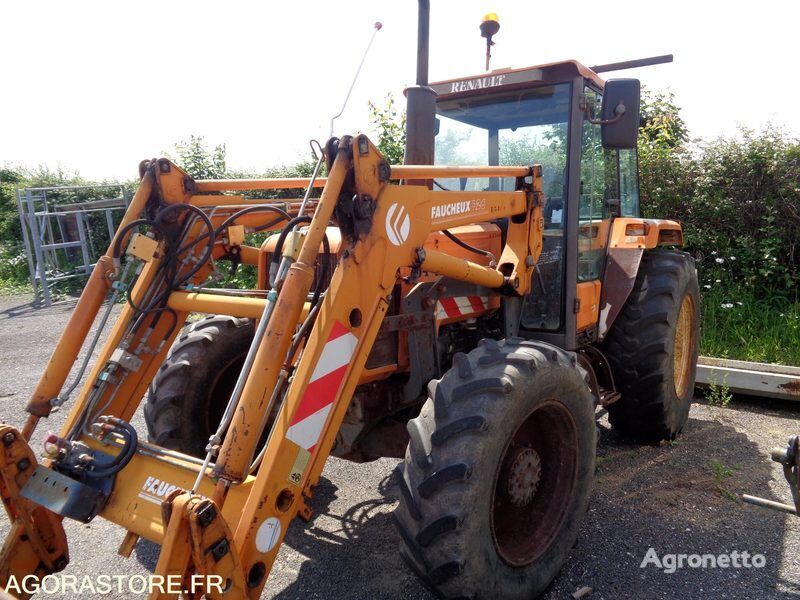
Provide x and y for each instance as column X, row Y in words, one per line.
column 622, row 227
column 593, row 235
column 589, row 297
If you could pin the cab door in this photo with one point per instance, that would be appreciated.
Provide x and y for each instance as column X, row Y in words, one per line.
column 599, row 201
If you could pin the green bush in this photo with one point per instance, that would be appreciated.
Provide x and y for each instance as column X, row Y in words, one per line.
column 194, row 155
column 13, row 264
column 9, row 220
column 14, row 274
column 738, row 199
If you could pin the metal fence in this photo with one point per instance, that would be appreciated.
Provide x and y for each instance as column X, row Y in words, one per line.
column 66, row 229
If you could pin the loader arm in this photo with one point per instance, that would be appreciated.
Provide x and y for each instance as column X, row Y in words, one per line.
column 227, row 517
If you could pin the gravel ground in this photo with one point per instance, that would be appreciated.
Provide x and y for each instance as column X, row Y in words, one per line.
column 675, row 498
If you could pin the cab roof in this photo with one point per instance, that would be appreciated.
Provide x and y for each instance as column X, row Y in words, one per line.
column 508, row 79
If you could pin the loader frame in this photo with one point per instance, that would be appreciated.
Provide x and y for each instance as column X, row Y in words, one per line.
column 230, row 528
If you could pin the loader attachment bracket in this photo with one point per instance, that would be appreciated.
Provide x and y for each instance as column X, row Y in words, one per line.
column 37, row 544
column 66, row 496
column 208, row 566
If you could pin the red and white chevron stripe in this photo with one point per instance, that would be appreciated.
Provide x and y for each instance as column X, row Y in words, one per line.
column 459, row 306
column 317, row 402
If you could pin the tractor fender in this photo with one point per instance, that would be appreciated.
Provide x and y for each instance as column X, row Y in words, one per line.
column 628, row 239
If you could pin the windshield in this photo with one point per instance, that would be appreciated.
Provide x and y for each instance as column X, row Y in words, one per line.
column 522, row 128
column 516, row 128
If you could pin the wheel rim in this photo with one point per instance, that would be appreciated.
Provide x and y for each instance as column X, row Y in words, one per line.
column 534, row 484
column 684, row 343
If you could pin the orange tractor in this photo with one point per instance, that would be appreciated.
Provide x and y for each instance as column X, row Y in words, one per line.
column 465, row 312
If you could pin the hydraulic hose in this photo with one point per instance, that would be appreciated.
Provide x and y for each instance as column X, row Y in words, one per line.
column 124, row 456
column 466, row 246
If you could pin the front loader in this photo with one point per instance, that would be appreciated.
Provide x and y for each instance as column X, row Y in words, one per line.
column 467, row 318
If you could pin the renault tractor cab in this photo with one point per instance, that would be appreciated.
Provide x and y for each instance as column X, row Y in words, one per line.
column 582, row 131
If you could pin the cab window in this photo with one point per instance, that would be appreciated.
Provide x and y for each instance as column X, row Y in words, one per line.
column 599, row 193
column 629, row 183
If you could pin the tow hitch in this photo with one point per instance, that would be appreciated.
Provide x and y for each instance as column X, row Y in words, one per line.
column 789, row 457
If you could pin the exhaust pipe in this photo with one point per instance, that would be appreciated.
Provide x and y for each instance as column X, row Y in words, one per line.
column 421, row 100
column 423, row 41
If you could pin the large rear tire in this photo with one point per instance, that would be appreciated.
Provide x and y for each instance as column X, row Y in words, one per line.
column 652, row 348
column 498, row 471
column 191, row 390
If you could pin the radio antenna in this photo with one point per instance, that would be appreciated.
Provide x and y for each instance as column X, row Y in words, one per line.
column 378, row 27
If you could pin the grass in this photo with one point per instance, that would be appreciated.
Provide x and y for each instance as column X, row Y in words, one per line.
column 718, row 395
column 12, row 287
column 722, row 472
column 738, row 325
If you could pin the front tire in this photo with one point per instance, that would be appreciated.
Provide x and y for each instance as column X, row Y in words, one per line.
column 498, row 471
column 652, row 348
column 189, row 393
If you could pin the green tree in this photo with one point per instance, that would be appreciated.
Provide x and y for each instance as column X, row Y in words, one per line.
column 667, row 169
column 545, row 145
column 45, row 176
column 389, row 123
column 449, row 149
column 660, row 121
column 200, row 160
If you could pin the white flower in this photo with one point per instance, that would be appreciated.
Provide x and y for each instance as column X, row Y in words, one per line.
column 739, row 303
column 732, row 258
column 707, row 286
column 713, row 253
column 718, row 281
column 719, row 260
column 726, row 305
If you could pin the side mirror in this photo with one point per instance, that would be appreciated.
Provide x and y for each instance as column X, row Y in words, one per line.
column 620, row 113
